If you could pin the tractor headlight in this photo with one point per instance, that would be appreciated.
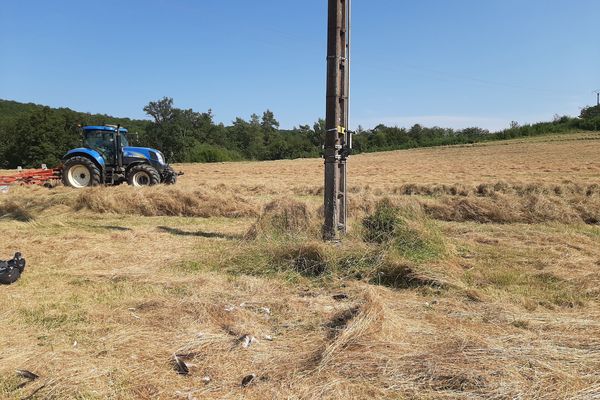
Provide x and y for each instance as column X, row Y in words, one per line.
column 160, row 158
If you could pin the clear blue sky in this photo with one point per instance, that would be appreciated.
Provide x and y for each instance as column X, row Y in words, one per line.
column 438, row 62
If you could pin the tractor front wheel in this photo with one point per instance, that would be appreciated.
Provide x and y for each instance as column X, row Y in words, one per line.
column 169, row 176
column 143, row 175
column 79, row 172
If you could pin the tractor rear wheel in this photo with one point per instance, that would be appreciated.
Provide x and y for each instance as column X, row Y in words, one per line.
column 79, row 172
column 143, row 175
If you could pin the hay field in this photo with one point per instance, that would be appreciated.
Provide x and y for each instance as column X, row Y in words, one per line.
column 488, row 287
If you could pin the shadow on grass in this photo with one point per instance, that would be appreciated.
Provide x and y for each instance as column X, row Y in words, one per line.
column 208, row 235
column 115, row 228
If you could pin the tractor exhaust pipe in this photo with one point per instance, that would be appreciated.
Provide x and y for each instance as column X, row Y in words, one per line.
column 118, row 150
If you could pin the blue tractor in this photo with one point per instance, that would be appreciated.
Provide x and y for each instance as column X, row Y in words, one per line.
column 106, row 158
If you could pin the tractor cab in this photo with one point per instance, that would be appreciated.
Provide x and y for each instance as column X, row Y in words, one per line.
column 104, row 140
column 107, row 158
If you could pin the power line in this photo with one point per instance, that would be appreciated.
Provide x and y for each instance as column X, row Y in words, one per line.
column 448, row 76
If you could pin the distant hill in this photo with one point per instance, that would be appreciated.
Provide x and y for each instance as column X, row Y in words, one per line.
column 11, row 111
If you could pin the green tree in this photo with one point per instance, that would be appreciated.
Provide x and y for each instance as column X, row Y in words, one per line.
column 42, row 137
column 268, row 122
column 175, row 131
column 590, row 112
column 317, row 137
column 161, row 110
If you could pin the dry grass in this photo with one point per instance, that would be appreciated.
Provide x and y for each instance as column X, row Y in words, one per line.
column 165, row 201
column 506, row 209
column 488, row 286
column 282, row 217
column 12, row 210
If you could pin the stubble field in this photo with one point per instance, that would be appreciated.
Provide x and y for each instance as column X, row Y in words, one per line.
column 488, row 287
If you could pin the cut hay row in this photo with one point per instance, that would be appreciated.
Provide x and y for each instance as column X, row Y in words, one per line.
column 534, row 206
column 489, row 189
column 164, row 201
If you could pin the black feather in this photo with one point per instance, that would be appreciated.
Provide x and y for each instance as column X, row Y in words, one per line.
column 180, row 366
column 248, row 380
column 27, row 374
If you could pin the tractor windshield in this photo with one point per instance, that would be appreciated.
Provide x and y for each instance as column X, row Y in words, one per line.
column 124, row 140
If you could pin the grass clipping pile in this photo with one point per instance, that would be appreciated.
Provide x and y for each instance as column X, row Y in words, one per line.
column 394, row 245
column 26, row 203
column 283, row 218
column 164, row 201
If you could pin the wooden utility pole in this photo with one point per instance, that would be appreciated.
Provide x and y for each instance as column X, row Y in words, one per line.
column 338, row 140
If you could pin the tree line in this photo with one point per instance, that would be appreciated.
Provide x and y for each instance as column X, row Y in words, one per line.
column 32, row 134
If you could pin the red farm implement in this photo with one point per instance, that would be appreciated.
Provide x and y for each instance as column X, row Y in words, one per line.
column 42, row 176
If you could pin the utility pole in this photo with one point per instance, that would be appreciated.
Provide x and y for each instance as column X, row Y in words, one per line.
column 338, row 140
column 597, row 97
